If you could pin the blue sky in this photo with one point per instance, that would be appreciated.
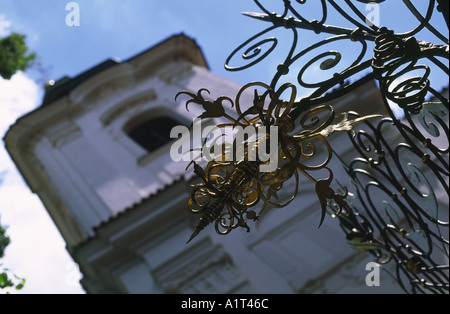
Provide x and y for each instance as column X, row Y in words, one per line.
column 121, row 29
column 115, row 28
column 118, row 28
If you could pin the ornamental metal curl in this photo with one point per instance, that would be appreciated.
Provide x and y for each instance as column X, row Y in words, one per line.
column 395, row 205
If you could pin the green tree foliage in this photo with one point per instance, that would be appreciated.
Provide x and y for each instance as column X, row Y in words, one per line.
column 14, row 55
column 7, row 279
column 4, row 241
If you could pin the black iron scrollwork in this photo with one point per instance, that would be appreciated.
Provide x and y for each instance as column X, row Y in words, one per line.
column 397, row 209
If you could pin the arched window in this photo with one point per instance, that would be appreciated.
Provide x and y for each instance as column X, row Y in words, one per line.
column 154, row 133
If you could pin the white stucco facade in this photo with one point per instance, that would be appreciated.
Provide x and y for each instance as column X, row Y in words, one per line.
column 123, row 211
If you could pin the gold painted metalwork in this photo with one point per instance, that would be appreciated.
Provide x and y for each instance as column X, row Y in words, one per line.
column 229, row 189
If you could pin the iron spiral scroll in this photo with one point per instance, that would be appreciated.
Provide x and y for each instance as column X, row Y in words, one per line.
column 395, row 200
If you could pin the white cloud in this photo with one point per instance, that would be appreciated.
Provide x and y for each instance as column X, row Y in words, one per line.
column 37, row 250
column 4, row 26
column 17, row 96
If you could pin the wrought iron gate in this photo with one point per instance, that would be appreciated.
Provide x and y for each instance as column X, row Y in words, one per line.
column 396, row 207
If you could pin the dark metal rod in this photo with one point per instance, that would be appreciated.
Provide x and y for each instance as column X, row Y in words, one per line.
column 279, row 20
column 443, row 7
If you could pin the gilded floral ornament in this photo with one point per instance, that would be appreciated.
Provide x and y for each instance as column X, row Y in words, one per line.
column 231, row 187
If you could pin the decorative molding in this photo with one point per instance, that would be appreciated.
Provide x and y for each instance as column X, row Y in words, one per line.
column 176, row 48
column 63, row 133
column 177, row 72
column 209, row 271
column 130, row 103
column 113, row 80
